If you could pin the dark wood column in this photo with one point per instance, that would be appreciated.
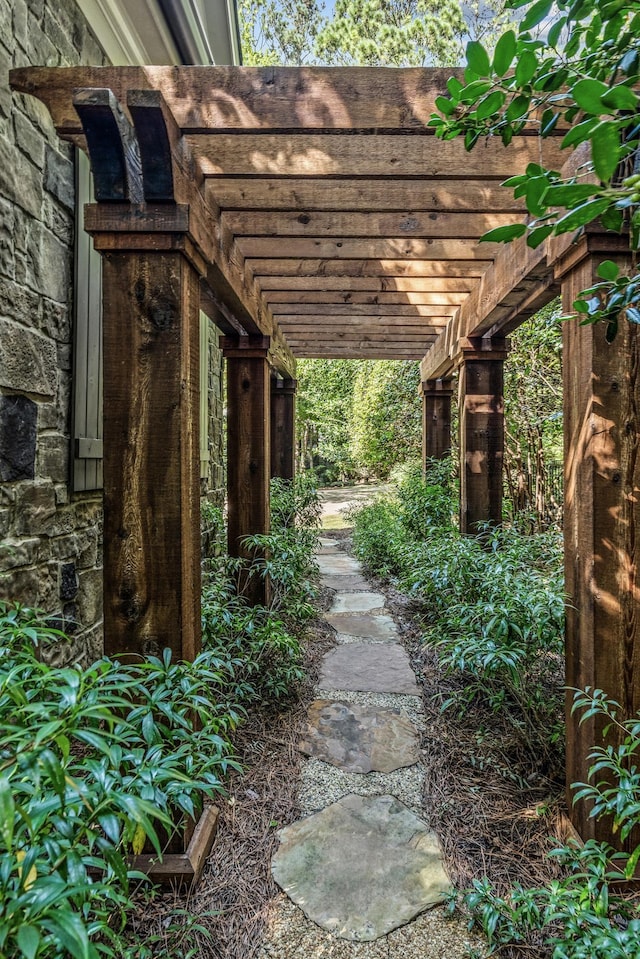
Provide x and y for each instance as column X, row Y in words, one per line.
column 248, row 447
column 151, row 457
column 436, row 419
column 481, row 433
column 283, row 427
column 602, row 511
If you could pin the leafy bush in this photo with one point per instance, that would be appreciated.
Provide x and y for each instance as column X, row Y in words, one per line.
column 583, row 914
column 93, row 763
column 259, row 643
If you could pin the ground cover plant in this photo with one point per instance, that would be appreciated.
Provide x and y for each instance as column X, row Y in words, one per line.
column 96, row 762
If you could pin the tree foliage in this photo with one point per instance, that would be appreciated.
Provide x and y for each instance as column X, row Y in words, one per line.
column 392, row 33
column 581, row 74
column 364, row 32
column 386, row 427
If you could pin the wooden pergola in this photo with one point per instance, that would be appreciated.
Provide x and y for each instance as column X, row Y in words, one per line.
column 310, row 212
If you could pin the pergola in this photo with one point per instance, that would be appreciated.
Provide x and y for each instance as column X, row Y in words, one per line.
column 310, row 212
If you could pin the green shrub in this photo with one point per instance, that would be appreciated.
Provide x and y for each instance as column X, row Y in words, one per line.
column 93, row 763
column 583, row 914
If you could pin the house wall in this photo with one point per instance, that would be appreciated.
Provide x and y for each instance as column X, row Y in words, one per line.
column 50, row 537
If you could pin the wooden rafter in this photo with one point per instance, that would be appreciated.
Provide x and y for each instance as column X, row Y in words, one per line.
column 327, row 214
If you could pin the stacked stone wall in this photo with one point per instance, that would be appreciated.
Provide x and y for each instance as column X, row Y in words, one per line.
column 50, row 553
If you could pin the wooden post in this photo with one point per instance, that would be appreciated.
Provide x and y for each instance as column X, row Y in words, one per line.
column 283, row 427
column 602, row 512
column 436, row 420
column 248, row 453
column 481, row 433
column 151, row 457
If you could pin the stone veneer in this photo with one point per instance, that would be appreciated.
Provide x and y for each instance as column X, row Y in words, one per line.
column 50, row 537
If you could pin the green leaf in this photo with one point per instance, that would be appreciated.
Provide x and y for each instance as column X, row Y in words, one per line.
column 569, row 194
column 445, row 106
column 539, row 235
column 504, row 53
column 526, row 67
column 504, row 234
column 621, row 97
column 29, row 940
column 633, row 315
column 605, row 149
column 7, row 812
column 535, row 15
column 556, row 29
column 579, row 133
column 518, row 107
column 588, row 95
column 478, row 58
column 582, row 214
column 609, row 270
column 490, row 106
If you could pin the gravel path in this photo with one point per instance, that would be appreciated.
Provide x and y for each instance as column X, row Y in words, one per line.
column 431, row 935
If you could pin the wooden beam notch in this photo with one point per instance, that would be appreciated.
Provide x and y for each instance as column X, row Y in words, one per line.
column 113, row 147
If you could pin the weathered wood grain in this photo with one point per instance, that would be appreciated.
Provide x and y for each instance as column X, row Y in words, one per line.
column 442, row 225
column 348, row 286
column 370, row 249
column 384, row 268
column 248, row 452
column 279, row 298
column 436, row 420
column 151, row 499
column 370, row 155
column 304, row 195
column 601, row 519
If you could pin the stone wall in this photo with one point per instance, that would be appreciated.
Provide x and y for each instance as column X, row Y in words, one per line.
column 50, row 537
column 50, row 554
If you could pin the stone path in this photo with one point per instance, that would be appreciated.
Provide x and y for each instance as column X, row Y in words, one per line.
column 362, row 868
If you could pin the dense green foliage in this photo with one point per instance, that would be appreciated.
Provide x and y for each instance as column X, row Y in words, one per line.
column 493, row 606
column 357, row 32
column 94, row 762
column 260, row 644
column 533, row 418
column 575, row 62
column 583, row 915
column 358, row 417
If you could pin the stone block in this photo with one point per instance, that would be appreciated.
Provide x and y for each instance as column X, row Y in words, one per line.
column 6, row 518
column 61, row 39
column 20, row 22
column 21, row 585
column 59, row 177
column 7, row 223
column 89, row 596
column 40, row 49
column 49, row 265
column 6, row 29
column 35, row 505
column 29, row 139
column 53, row 457
column 58, row 219
column 28, row 361
column 14, row 553
column 36, row 8
column 19, row 303
column 18, row 427
column 68, row 581
column 20, row 179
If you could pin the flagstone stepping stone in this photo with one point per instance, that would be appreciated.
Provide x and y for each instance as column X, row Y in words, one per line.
column 377, row 629
column 347, row 582
column 359, row 739
column 368, row 667
column 335, row 564
column 361, row 867
column 326, row 542
column 357, row 602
